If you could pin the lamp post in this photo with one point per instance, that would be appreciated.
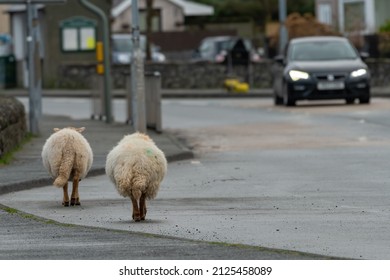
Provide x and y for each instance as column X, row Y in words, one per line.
column 283, row 36
column 137, row 74
column 106, row 57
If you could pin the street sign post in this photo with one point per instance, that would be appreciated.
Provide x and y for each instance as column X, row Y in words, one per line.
column 283, row 35
column 137, row 74
column 34, row 81
column 106, row 54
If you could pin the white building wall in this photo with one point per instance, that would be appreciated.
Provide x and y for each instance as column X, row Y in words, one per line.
column 382, row 8
column 369, row 15
column 170, row 16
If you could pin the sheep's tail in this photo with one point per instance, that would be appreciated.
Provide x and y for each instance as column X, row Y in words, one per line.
column 137, row 186
column 60, row 181
column 65, row 169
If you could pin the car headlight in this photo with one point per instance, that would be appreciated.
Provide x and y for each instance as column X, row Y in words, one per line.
column 296, row 75
column 358, row 73
column 124, row 58
column 159, row 57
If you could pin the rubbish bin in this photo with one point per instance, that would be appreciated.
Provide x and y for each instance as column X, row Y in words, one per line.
column 7, row 71
column 97, row 97
column 152, row 100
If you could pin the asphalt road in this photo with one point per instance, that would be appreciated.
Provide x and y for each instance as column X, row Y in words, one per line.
column 28, row 237
column 312, row 179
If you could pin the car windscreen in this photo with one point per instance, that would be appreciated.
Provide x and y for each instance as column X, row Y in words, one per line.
column 321, row 50
column 224, row 45
column 229, row 44
column 126, row 44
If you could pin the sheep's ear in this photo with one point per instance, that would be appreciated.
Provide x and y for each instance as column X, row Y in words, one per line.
column 56, row 129
column 81, row 129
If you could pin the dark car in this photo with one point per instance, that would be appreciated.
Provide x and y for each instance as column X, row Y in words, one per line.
column 216, row 49
column 320, row 67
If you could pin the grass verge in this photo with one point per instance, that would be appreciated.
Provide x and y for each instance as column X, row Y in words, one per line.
column 9, row 156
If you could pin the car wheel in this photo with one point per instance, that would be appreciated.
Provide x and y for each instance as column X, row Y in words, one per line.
column 350, row 100
column 287, row 99
column 364, row 99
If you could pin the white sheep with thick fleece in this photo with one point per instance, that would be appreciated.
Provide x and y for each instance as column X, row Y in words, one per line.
column 67, row 156
column 136, row 166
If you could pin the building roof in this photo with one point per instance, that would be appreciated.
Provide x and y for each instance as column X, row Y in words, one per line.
column 189, row 8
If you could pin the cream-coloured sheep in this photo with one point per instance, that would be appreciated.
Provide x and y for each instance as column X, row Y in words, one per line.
column 67, row 156
column 136, row 166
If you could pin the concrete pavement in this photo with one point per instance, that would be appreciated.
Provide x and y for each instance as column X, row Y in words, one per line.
column 26, row 171
column 34, row 225
column 175, row 93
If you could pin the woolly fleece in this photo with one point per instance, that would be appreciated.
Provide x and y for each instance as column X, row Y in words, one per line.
column 66, row 153
column 136, row 166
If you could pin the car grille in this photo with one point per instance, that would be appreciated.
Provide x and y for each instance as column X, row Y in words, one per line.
column 330, row 77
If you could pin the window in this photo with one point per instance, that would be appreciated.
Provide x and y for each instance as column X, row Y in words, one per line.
column 325, row 13
column 156, row 20
column 78, row 34
column 354, row 16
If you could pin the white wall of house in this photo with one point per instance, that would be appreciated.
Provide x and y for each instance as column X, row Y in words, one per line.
column 327, row 12
column 357, row 16
column 382, row 8
column 354, row 16
column 172, row 16
column 19, row 34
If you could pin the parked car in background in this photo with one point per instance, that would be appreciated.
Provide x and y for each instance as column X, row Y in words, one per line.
column 216, row 49
column 122, row 46
column 320, row 67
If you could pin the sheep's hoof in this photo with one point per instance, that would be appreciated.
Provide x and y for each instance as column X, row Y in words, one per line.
column 65, row 203
column 136, row 218
column 74, row 201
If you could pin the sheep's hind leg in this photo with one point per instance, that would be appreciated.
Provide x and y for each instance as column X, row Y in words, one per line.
column 142, row 207
column 136, row 212
column 75, row 199
column 65, row 200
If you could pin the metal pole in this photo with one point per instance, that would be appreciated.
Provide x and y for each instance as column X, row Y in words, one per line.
column 33, row 85
column 137, row 74
column 106, row 53
column 283, row 36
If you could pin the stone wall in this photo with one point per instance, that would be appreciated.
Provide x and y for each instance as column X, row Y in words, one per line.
column 380, row 73
column 194, row 75
column 13, row 127
column 174, row 75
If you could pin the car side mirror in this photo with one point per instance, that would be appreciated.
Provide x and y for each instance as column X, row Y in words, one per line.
column 364, row 55
column 279, row 59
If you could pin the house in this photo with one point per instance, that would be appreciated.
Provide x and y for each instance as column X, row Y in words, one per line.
column 354, row 16
column 168, row 15
column 327, row 12
column 68, row 34
column 4, row 20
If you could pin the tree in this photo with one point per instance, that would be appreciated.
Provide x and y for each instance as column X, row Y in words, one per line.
column 260, row 11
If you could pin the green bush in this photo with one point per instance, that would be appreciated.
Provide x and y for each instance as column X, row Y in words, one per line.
column 385, row 27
